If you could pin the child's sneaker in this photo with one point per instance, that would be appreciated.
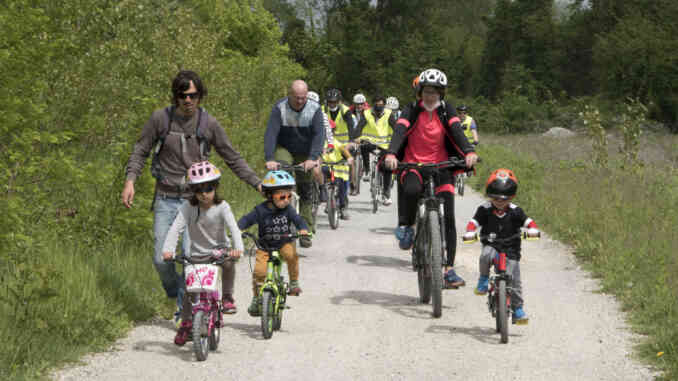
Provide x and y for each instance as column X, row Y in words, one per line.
column 483, row 284
column 228, row 305
column 305, row 241
column 452, row 280
column 255, row 307
column 184, row 331
column 520, row 317
column 295, row 290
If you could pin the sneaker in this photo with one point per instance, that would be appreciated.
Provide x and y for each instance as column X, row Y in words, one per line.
column 228, row 305
column 255, row 307
column 452, row 280
column 519, row 316
column 483, row 284
column 387, row 201
column 295, row 290
column 184, row 331
column 366, row 178
column 405, row 234
column 305, row 242
column 343, row 214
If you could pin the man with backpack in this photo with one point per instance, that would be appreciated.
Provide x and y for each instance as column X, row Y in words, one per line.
column 179, row 135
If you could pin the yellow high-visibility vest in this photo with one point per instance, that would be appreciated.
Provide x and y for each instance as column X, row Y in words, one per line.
column 341, row 127
column 378, row 132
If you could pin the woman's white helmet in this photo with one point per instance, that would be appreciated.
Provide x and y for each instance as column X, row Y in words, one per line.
column 432, row 77
column 359, row 99
column 312, row 95
column 392, row 103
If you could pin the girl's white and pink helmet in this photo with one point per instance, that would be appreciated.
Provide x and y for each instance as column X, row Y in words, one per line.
column 202, row 172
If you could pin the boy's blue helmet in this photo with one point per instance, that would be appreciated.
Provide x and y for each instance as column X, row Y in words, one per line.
column 277, row 180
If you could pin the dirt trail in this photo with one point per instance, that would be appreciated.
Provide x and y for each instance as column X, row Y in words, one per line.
column 359, row 319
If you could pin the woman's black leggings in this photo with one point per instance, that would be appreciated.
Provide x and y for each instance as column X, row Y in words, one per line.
column 410, row 188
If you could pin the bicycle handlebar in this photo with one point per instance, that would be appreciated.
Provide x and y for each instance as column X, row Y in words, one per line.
column 259, row 241
column 452, row 162
column 218, row 257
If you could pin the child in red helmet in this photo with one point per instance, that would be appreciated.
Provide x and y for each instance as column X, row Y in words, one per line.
column 505, row 219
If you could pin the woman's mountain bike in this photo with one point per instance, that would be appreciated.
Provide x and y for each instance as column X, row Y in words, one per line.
column 273, row 293
column 499, row 289
column 333, row 194
column 203, row 286
column 430, row 245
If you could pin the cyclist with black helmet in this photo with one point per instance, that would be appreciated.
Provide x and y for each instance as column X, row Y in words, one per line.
column 504, row 219
column 429, row 131
column 274, row 217
column 468, row 124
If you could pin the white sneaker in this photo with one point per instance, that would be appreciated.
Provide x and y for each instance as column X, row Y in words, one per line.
column 387, row 201
column 366, row 178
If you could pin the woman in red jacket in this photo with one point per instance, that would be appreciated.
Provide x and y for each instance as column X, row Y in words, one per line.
column 429, row 131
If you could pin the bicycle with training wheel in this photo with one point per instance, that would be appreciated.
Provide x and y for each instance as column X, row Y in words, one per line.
column 499, row 289
column 430, row 243
column 333, row 201
column 273, row 293
column 203, row 286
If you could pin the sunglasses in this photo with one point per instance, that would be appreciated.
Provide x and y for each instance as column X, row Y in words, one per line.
column 282, row 196
column 203, row 188
column 190, row 95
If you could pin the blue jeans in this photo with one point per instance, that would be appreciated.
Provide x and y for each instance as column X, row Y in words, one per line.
column 165, row 211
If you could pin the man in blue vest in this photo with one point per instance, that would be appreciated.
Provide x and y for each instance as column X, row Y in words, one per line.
column 295, row 133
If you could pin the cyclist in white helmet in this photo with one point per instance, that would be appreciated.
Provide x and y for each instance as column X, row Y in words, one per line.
column 429, row 131
column 393, row 104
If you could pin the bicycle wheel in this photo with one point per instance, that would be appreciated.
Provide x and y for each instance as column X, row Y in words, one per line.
column 357, row 171
column 277, row 318
column 200, row 344
column 502, row 311
column 436, row 262
column 374, row 191
column 423, row 275
column 215, row 333
column 267, row 312
column 460, row 185
column 315, row 202
column 332, row 208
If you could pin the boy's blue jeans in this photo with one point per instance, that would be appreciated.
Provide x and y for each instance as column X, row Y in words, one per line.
column 165, row 211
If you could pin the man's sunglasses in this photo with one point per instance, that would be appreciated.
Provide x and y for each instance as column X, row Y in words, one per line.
column 190, row 95
column 203, row 188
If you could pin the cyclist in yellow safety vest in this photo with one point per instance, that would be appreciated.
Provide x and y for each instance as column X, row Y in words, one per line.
column 376, row 127
column 332, row 156
column 468, row 125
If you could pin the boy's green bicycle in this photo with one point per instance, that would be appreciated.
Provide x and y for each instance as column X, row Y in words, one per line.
column 273, row 293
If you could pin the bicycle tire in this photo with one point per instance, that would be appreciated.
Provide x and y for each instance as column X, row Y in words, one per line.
column 460, row 185
column 277, row 318
column 267, row 312
column 436, row 262
column 332, row 208
column 215, row 333
column 357, row 172
column 423, row 275
column 374, row 191
column 315, row 203
column 502, row 311
column 200, row 342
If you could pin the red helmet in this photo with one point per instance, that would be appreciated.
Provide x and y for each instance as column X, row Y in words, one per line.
column 502, row 183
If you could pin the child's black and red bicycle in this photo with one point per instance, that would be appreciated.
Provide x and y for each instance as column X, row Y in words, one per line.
column 499, row 290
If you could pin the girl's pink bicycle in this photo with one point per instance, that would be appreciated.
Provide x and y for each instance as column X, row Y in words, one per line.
column 203, row 286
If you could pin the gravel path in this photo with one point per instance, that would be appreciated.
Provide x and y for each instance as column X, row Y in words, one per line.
column 359, row 319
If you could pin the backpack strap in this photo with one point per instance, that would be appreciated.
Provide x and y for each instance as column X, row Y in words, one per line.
column 199, row 132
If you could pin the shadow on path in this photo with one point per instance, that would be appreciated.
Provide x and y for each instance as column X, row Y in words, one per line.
column 486, row 335
column 380, row 261
column 405, row 305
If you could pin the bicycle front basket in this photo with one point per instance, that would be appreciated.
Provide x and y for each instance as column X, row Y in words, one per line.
column 202, row 278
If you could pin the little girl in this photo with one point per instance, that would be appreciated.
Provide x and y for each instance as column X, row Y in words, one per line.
column 206, row 216
column 274, row 217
